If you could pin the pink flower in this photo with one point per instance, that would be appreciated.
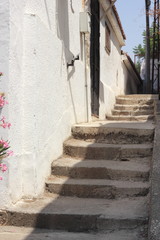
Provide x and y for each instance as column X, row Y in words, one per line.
column 5, row 124
column 4, row 143
column 3, row 167
column 2, row 101
column 3, row 118
column 10, row 153
column 1, row 178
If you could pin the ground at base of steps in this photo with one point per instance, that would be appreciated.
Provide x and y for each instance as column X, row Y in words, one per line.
column 20, row 233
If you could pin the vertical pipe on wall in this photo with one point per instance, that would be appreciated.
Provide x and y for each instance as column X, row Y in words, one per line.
column 85, row 64
column 85, row 75
column 147, row 55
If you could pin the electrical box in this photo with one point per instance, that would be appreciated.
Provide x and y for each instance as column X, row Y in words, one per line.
column 83, row 22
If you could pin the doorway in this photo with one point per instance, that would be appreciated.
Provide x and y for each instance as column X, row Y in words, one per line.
column 95, row 56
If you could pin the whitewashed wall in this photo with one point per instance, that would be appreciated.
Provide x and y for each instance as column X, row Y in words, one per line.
column 4, row 67
column 113, row 74
column 45, row 97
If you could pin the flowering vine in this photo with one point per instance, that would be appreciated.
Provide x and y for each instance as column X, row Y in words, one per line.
column 4, row 145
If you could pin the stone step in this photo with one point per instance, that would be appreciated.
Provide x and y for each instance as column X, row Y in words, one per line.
column 140, row 96
column 134, row 101
column 21, row 233
column 132, row 113
column 133, row 107
column 130, row 118
column 115, row 132
column 79, row 214
column 88, row 150
column 96, row 188
column 129, row 169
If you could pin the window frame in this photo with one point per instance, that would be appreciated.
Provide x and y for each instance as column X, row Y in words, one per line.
column 107, row 38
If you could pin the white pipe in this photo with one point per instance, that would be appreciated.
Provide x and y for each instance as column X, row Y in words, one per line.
column 85, row 75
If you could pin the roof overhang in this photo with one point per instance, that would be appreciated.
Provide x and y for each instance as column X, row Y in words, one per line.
column 112, row 15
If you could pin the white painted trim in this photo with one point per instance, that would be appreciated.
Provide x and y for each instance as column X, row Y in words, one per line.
column 113, row 21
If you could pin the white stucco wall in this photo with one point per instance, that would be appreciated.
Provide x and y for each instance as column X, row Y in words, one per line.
column 114, row 77
column 4, row 67
column 111, row 70
column 45, row 97
column 131, row 83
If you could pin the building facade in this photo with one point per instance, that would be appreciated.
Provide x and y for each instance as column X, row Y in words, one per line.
column 56, row 72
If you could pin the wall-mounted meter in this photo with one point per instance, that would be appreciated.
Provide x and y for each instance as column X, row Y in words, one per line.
column 84, row 22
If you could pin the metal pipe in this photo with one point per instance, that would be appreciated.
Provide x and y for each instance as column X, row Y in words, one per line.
column 153, row 50
column 85, row 73
column 147, row 57
column 158, row 49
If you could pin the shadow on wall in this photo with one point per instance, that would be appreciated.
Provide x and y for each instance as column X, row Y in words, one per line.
column 62, row 20
column 130, row 87
column 101, row 91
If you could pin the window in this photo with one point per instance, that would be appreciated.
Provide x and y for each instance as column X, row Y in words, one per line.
column 107, row 40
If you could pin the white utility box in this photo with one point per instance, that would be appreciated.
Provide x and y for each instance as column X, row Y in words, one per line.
column 83, row 22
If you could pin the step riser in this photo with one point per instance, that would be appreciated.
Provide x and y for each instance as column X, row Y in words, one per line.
column 100, row 173
column 134, row 101
column 74, row 223
column 125, row 118
column 113, row 135
column 134, row 108
column 107, row 192
column 107, row 153
column 106, row 224
column 131, row 113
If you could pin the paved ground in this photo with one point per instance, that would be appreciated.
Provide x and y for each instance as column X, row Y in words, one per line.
column 15, row 233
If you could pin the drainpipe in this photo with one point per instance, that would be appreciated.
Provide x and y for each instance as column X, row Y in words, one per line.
column 147, row 56
column 85, row 74
column 84, row 31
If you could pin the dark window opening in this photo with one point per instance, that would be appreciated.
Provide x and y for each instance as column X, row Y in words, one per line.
column 108, row 39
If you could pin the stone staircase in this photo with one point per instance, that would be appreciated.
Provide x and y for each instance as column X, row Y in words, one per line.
column 100, row 185
column 135, row 108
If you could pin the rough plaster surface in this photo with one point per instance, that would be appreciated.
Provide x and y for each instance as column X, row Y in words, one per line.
column 4, row 67
column 110, row 84
column 117, row 79
column 38, row 38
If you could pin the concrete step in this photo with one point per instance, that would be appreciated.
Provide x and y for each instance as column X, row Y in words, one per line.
column 132, row 113
column 96, row 188
column 79, row 214
column 130, row 118
column 115, row 132
column 133, row 101
column 21, row 233
column 140, row 96
column 129, row 169
column 88, row 150
column 134, row 107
